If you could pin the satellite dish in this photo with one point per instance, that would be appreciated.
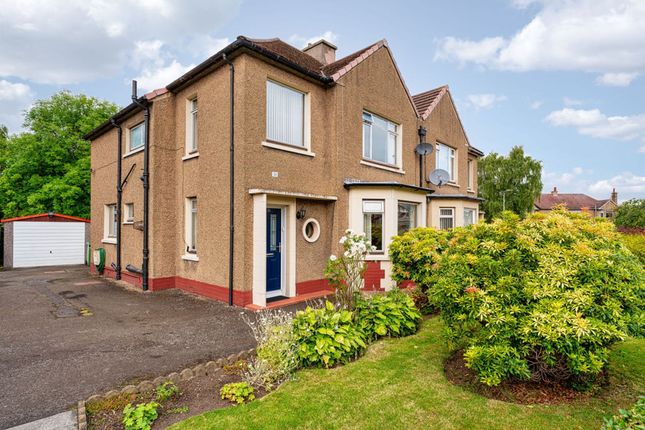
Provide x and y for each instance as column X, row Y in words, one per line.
column 439, row 177
column 424, row 148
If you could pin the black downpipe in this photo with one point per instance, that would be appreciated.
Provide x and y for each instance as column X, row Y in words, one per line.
column 119, row 194
column 145, row 179
column 231, row 239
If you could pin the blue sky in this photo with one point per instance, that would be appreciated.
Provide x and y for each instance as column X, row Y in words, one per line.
column 565, row 79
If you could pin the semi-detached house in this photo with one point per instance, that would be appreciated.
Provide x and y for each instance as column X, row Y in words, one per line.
column 272, row 152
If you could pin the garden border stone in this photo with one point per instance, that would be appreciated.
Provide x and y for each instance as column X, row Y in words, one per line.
column 186, row 374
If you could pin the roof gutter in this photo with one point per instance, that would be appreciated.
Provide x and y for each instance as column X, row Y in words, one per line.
column 350, row 184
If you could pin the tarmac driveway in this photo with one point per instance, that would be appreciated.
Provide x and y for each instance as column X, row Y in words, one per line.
column 51, row 355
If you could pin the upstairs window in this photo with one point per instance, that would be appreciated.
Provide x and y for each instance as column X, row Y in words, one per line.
column 191, row 127
column 380, row 138
column 285, row 115
column 373, row 211
column 137, row 137
column 191, row 225
column 446, row 160
column 471, row 175
column 407, row 217
column 446, row 218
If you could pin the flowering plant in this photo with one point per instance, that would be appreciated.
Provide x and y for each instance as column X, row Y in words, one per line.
column 345, row 272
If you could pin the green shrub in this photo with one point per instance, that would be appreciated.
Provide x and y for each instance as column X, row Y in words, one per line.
column 541, row 298
column 275, row 359
column 421, row 301
column 237, row 392
column 631, row 214
column 140, row 417
column 326, row 336
column 392, row 314
column 636, row 244
column 166, row 390
column 415, row 254
column 632, row 419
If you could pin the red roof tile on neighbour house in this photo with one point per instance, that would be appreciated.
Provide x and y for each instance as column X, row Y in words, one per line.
column 574, row 202
column 44, row 215
column 427, row 101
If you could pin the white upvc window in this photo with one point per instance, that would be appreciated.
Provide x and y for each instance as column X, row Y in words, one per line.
column 285, row 115
column 469, row 216
column 128, row 213
column 191, row 126
column 471, row 175
column 137, row 136
column 447, row 160
column 380, row 139
column 407, row 217
column 373, row 213
column 191, row 225
column 111, row 221
column 446, row 218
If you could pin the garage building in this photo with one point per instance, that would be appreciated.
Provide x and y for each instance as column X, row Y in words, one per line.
column 48, row 239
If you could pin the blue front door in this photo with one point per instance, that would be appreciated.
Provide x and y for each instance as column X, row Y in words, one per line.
column 274, row 251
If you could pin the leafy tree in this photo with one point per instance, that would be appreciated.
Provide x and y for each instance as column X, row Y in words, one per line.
column 631, row 214
column 517, row 179
column 47, row 168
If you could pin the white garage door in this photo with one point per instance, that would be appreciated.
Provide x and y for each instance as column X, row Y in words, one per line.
column 48, row 243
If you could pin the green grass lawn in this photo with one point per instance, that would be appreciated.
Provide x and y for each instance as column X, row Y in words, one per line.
column 400, row 383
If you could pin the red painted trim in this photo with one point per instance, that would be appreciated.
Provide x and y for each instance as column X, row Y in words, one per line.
column 406, row 284
column 45, row 215
column 373, row 276
column 313, row 286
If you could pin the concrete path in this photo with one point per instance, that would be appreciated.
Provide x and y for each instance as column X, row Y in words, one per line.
column 64, row 421
column 67, row 335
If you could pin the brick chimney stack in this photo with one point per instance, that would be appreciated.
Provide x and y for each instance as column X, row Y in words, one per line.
column 322, row 51
column 555, row 192
column 614, row 196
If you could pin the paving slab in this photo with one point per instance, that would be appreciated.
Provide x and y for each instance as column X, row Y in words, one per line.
column 62, row 421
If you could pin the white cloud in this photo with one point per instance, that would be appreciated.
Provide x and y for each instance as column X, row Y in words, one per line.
column 616, row 79
column 627, row 184
column 537, row 104
column 571, row 102
column 70, row 41
column 303, row 41
column 204, row 45
column 14, row 98
column 596, row 124
column 485, row 101
column 578, row 180
column 603, row 36
column 158, row 77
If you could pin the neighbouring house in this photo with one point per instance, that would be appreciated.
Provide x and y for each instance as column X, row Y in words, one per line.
column 260, row 158
column 47, row 239
column 578, row 203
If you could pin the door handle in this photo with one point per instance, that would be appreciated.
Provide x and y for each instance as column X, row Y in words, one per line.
column 269, row 254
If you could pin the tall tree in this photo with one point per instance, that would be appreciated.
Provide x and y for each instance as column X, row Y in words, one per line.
column 631, row 214
column 47, row 168
column 510, row 182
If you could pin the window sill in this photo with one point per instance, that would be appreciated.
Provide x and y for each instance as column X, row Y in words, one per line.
column 110, row 240
column 393, row 169
column 377, row 256
column 128, row 222
column 190, row 156
column 452, row 184
column 190, row 257
column 471, row 191
column 289, row 148
column 136, row 151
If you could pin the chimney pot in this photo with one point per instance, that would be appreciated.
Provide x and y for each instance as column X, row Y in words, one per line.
column 555, row 191
column 322, row 51
column 614, row 196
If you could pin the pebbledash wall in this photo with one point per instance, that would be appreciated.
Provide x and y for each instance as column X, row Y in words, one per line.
column 315, row 180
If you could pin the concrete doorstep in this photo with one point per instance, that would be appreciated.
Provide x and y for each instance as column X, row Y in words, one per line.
column 62, row 421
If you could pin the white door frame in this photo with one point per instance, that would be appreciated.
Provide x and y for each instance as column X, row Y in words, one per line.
column 283, row 252
column 260, row 203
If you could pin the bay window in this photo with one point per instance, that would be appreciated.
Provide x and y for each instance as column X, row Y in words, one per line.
column 469, row 216
column 407, row 217
column 380, row 139
column 446, row 218
column 373, row 211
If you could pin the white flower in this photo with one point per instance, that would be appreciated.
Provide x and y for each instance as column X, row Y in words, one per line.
column 332, row 257
column 349, row 231
column 361, row 234
column 373, row 248
column 342, row 240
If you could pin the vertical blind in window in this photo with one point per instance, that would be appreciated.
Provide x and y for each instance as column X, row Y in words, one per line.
column 469, row 216
column 373, row 222
column 285, row 114
column 446, row 160
column 137, row 136
column 407, row 217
